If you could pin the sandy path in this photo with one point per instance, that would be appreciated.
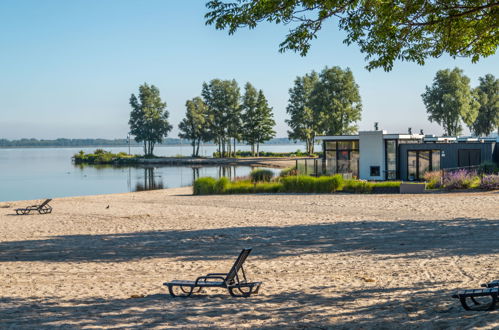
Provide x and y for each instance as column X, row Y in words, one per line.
column 343, row 261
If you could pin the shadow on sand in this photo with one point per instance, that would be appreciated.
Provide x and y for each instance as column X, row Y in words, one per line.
column 443, row 238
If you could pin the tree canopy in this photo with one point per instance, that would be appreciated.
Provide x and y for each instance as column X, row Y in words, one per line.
column 450, row 100
column 257, row 118
column 194, row 126
column 148, row 118
column 303, row 123
column 222, row 99
column 325, row 103
column 336, row 101
column 385, row 31
column 487, row 94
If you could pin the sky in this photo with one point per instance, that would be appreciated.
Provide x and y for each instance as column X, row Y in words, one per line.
column 68, row 68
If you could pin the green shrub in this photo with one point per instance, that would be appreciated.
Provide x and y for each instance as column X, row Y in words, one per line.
column 433, row 179
column 288, row 172
column 309, row 184
column 246, row 187
column 488, row 168
column 239, row 187
column 357, row 186
column 204, row 186
column 221, row 185
column 261, row 175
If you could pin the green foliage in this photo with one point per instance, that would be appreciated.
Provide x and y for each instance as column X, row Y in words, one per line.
column 385, row 31
column 204, row 186
column 450, row 100
column 297, row 153
column 487, row 94
column 261, row 175
column 336, row 101
column 246, row 187
column 257, row 118
column 365, row 187
column 221, row 185
column 488, row 168
column 288, row 172
column 194, row 126
column 303, row 123
column 357, row 186
column 309, row 184
column 207, row 185
column 224, row 120
column 433, row 179
column 328, row 103
column 101, row 156
column 148, row 119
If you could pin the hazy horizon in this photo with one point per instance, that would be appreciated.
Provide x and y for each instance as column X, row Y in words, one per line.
column 69, row 68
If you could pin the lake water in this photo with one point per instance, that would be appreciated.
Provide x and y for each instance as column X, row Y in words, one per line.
column 36, row 173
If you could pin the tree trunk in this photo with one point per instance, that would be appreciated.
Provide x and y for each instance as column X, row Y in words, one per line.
column 258, row 149
column 229, row 148
column 235, row 147
column 193, row 143
column 253, row 149
column 197, row 150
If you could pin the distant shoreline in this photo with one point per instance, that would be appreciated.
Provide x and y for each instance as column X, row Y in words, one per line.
column 134, row 146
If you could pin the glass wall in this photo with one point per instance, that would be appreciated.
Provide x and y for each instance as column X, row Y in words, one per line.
column 421, row 161
column 412, row 166
column 391, row 159
column 342, row 156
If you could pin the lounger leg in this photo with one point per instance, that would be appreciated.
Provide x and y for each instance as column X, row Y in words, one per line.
column 187, row 293
column 489, row 307
column 244, row 291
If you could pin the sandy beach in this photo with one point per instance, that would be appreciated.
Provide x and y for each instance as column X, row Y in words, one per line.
column 327, row 261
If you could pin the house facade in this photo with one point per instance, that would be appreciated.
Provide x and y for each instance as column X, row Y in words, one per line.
column 378, row 155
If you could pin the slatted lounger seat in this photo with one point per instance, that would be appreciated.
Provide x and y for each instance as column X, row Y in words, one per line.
column 491, row 284
column 463, row 295
column 237, row 287
column 43, row 208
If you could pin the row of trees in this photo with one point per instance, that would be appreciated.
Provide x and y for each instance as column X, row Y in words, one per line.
column 224, row 116
column 320, row 103
column 323, row 103
column 450, row 101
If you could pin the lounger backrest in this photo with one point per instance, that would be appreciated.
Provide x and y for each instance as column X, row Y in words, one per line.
column 237, row 265
column 45, row 203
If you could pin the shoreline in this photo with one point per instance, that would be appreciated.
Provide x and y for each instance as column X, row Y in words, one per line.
column 275, row 162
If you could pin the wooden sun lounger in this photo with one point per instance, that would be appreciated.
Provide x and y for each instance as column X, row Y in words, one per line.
column 237, row 287
column 43, row 208
column 491, row 292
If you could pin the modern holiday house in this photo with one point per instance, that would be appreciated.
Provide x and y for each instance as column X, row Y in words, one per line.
column 377, row 155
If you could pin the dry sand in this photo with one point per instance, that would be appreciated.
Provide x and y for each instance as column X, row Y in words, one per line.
column 340, row 261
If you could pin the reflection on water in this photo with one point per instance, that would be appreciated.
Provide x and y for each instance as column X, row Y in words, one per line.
column 49, row 173
column 151, row 182
column 148, row 177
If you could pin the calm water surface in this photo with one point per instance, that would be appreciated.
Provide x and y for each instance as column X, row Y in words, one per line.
column 35, row 173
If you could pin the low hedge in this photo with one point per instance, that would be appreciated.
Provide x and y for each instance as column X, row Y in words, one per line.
column 359, row 186
column 289, row 184
column 261, row 175
column 204, row 186
column 310, row 184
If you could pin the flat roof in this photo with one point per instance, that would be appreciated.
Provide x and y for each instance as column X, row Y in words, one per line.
column 337, row 137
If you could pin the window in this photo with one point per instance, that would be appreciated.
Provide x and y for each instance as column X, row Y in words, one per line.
column 375, row 171
column 342, row 156
column 391, row 159
column 421, row 161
